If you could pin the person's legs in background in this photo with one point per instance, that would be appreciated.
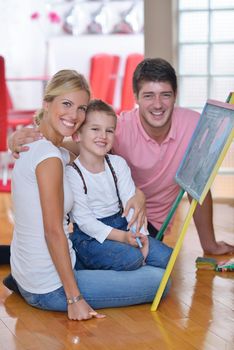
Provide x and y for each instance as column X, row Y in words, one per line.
column 152, row 230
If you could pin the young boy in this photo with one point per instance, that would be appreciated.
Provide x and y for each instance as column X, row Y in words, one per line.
column 102, row 185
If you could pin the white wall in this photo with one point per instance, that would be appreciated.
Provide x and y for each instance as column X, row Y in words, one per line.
column 23, row 44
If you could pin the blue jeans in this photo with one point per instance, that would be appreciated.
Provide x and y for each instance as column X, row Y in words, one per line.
column 102, row 289
column 113, row 255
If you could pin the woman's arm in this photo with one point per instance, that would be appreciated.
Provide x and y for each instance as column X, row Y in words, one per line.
column 50, row 182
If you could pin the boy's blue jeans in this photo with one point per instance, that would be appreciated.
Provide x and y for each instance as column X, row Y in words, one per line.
column 113, row 255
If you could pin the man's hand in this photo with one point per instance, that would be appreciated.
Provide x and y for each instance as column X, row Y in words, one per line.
column 137, row 203
column 18, row 140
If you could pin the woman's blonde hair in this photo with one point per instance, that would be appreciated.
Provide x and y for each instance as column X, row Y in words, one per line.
column 64, row 81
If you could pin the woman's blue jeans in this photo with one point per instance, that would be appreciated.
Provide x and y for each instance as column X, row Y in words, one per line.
column 113, row 255
column 104, row 288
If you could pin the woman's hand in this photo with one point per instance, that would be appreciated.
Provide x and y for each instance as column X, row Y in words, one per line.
column 82, row 311
column 138, row 204
column 19, row 138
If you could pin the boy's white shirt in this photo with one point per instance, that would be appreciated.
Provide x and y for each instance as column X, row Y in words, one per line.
column 101, row 199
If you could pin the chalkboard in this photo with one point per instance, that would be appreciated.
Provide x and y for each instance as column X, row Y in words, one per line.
column 207, row 148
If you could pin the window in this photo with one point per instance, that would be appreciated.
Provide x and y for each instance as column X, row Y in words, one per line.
column 205, row 51
column 206, row 65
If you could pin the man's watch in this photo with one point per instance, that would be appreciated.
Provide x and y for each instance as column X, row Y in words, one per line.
column 73, row 300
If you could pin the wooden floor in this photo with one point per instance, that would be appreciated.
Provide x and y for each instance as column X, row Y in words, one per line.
column 197, row 314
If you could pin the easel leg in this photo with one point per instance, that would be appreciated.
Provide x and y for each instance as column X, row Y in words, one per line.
column 173, row 257
column 170, row 215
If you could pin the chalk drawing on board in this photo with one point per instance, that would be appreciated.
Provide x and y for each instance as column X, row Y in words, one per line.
column 213, row 131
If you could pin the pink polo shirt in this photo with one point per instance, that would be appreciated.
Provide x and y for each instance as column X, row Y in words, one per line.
column 154, row 166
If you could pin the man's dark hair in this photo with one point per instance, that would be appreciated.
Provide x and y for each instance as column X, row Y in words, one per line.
column 100, row 106
column 155, row 70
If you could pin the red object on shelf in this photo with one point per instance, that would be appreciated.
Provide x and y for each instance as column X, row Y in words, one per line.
column 12, row 117
column 5, row 187
column 103, row 76
column 113, row 80
column 127, row 96
column 21, row 117
column 3, row 107
column 17, row 117
column 9, row 119
column 3, row 123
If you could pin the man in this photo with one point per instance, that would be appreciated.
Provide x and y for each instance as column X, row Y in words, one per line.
column 153, row 139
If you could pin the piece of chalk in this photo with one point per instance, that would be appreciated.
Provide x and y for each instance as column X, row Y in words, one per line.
column 133, row 230
column 139, row 242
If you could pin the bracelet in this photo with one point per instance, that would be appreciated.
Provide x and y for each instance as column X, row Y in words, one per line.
column 73, row 300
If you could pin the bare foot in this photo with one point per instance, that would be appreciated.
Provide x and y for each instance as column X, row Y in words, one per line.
column 220, row 248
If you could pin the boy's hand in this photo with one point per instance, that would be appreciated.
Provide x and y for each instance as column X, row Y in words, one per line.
column 17, row 140
column 131, row 239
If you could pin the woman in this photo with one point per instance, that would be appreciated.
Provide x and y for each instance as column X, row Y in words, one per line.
column 42, row 257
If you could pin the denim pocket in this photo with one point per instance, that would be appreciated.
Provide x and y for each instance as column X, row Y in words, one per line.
column 31, row 298
column 55, row 300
